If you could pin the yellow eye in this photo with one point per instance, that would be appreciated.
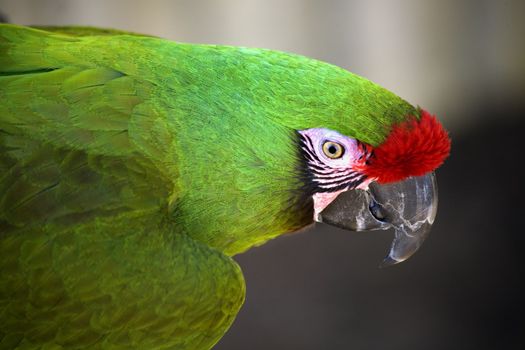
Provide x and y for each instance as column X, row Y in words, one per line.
column 333, row 150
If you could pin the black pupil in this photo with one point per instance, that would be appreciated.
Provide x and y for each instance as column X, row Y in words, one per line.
column 332, row 149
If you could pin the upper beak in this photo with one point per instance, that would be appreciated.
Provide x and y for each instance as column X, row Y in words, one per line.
column 408, row 206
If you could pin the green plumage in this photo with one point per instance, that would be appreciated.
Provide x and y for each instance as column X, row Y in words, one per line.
column 132, row 167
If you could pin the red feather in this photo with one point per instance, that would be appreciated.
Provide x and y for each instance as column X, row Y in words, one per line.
column 413, row 148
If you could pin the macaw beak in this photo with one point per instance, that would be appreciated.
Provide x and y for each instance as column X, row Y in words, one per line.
column 408, row 206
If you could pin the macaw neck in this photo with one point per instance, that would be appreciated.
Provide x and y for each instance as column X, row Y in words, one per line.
column 240, row 185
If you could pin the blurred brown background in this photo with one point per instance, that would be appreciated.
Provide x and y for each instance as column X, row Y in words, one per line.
column 321, row 289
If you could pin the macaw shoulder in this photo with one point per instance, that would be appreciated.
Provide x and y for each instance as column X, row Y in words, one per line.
column 124, row 282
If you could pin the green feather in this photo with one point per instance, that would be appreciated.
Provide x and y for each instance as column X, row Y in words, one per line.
column 132, row 167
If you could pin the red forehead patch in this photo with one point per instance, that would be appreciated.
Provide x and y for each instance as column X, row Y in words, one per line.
column 413, row 148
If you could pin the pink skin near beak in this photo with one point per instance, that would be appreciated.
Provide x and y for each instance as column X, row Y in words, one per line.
column 322, row 200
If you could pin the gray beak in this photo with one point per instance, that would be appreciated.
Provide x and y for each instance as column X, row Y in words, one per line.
column 408, row 206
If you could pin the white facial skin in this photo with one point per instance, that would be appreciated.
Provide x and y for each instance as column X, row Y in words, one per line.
column 331, row 172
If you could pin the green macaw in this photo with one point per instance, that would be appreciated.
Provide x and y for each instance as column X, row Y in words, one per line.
column 133, row 168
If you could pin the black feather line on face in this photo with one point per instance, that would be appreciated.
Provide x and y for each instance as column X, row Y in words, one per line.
column 323, row 179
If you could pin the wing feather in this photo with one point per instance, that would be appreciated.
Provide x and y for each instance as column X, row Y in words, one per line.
column 89, row 258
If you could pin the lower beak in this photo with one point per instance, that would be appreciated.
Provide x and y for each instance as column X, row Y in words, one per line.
column 408, row 206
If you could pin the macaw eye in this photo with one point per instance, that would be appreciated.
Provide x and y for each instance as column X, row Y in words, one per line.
column 333, row 150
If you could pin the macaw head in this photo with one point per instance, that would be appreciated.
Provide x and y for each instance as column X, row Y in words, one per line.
column 278, row 141
column 359, row 187
column 366, row 156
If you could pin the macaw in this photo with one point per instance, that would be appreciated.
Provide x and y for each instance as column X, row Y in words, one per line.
column 133, row 168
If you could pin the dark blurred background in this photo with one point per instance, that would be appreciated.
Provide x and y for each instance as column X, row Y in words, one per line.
column 322, row 289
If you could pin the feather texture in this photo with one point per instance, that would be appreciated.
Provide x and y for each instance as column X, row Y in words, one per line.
column 132, row 167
